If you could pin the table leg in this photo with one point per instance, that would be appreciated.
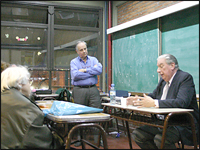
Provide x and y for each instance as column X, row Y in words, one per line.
column 129, row 135
column 164, row 133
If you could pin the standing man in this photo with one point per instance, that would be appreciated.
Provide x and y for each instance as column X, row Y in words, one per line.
column 180, row 94
column 84, row 71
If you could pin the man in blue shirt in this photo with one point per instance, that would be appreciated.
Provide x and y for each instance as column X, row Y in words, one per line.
column 84, row 71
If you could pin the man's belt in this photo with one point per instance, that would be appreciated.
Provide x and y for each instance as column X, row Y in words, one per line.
column 85, row 86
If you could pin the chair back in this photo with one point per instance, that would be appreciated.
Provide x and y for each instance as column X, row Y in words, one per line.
column 48, row 98
column 64, row 95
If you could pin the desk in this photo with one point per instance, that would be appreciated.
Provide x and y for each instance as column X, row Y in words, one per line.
column 82, row 120
column 147, row 116
column 105, row 99
column 103, row 94
column 79, row 121
column 42, row 96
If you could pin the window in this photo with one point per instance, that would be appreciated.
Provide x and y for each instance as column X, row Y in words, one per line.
column 65, row 42
column 43, row 37
column 21, row 45
column 77, row 18
column 20, row 13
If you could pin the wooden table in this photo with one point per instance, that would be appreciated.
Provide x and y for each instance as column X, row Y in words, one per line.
column 147, row 116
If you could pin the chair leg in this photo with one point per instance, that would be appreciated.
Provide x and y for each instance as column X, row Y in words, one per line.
column 180, row 145
column 101, row 131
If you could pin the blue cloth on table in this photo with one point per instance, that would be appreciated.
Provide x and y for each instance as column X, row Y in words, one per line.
column 61, row 108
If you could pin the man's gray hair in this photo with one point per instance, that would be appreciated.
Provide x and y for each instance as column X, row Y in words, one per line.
column 80, row 42
column 169, row 59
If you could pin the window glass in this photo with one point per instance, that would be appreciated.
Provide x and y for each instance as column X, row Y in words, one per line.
column 22, row 14
column 25, row 46
column 40, row 79
column 24, row 39
column 76, row 18
column 61, row 79
column 65, row 42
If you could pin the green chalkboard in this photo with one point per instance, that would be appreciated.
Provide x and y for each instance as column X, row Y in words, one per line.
column 135, row 50
column 180, row 37
column 134, row 54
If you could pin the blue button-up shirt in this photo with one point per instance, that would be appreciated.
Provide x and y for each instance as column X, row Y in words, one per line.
column 85, row 78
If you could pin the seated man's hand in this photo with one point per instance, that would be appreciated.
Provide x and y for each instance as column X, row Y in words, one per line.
column 139, row 101
column 131, row 100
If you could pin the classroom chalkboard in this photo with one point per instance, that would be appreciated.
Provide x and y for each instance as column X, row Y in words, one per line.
column 180, row 37
column 135, row 50
column 134, row 55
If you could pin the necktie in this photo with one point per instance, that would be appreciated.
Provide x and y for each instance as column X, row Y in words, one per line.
column 164, row 95
column 165, row 90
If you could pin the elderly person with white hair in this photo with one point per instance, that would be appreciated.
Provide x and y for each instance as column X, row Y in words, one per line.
column 21, row 119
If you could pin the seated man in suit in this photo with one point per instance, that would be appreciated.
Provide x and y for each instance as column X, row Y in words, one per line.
column 180, row 94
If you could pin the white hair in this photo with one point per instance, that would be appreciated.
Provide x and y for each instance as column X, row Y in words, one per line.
column 169, row 59
column 13, row 76
column 79, row 43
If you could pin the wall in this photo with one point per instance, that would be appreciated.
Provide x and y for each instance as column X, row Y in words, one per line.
column 135, row 9
column 115, row 5
column 185, row 33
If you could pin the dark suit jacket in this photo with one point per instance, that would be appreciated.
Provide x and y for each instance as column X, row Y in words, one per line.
column 181, row 94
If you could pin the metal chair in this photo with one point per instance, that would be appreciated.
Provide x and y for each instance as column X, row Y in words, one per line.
column 48, row 98
column 185, row 117
column 180, row 145
column 82, row 140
